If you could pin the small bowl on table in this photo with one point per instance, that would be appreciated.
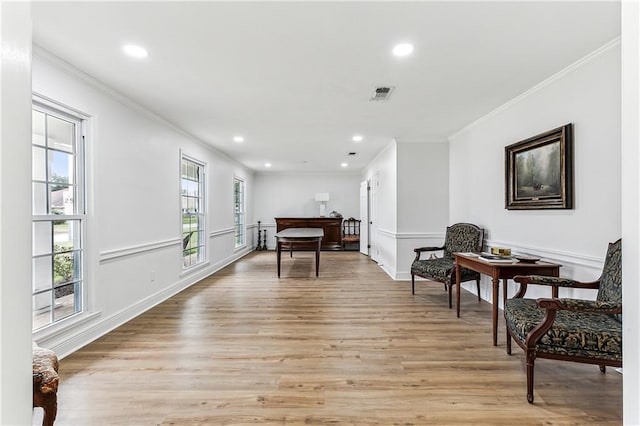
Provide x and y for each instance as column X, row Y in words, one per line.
column 526, row 259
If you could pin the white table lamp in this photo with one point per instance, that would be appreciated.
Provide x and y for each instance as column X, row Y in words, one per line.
column 323, row 197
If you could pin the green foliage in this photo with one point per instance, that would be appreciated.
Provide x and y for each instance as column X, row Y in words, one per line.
column 63, row 267
column 61, row 182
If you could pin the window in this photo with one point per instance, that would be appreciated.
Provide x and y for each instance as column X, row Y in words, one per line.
column 238, row 215
column 193, row 209
column 58, row 190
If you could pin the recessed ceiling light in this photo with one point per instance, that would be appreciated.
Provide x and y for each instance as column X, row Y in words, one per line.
column 238, row 139
column 267, row 164
column 135, row 51
column 344, row 165
column 357, row 138
column 403, row 49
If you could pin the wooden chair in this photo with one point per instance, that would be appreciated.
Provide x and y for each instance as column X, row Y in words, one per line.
column 588, row 331
column 350, row 232
column 45, row 383
column 460, row 237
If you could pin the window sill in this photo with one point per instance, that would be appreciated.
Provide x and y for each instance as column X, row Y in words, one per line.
column 193, row 269
column 239, row 248
column 63, row 326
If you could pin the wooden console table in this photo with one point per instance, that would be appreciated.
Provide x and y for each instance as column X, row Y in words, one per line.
column 331, row 226
column 504, row 271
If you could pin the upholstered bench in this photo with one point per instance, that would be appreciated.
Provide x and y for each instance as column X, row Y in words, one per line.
column 45, row 383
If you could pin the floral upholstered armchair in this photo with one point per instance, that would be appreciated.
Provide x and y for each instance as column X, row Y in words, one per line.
column 460, row 237
column 570, row 329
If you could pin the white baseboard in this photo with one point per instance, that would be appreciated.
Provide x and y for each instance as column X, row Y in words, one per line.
column 65, row 344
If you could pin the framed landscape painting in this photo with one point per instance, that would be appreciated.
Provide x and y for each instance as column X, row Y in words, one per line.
column 539, row 171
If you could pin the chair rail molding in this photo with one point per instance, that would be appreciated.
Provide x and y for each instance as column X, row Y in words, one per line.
column 108, row 255
column 219, row 232
column 564, row 257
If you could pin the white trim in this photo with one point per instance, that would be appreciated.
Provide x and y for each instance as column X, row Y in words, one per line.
column 562, row 73
column 108, row 255
column 61, row 327
column 386, row 232
column 393, row 274
column 83, row 337
column 418, row 235
column 219, row 232
column 189, row 270
column 48, row 102
column 563, row 257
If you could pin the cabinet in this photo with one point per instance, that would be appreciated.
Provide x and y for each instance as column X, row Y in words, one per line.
column 332, row 227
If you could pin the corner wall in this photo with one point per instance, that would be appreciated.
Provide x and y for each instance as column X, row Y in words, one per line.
column 409, row 202
column 586, row 94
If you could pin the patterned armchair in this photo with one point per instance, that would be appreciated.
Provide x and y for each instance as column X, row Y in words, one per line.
column 570, row 329
column 460, row 237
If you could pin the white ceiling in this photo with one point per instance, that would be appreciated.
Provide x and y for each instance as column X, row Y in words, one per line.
column 295, row 78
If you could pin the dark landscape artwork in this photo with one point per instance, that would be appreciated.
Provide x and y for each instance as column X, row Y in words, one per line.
column 539, row 171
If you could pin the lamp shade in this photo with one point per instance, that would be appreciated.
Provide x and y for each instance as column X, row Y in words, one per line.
column 322, row 196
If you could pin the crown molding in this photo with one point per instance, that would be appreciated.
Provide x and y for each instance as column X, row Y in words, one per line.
column 557, row 76
column 67, row 67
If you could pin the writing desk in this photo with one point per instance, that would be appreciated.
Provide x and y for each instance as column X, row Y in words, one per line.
column 299, row 235
column 497, row 271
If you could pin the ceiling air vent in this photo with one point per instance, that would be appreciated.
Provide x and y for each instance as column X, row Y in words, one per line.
column 382, row 93
column 351, row 153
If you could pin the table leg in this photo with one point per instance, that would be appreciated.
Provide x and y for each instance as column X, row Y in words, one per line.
column 278, row 254
column 505, row 291
column 496, row 290
column 457, row 290
column 318, row 258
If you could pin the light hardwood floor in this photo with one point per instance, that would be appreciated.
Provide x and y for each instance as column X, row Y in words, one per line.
column 349, row 347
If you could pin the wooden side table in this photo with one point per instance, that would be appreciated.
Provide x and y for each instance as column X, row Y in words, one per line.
column 497, row 271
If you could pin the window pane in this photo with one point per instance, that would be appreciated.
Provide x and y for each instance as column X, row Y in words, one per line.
column 66, row 267
column 41, row 238
column 66, row 235
column 37, row 123
column 61, row 199
column 41, row 273
column 39, row 198
column 56, row 242
column 61, row 167
column 38, row 160
column 42, row 309
column 65, row 301
column 60, row 134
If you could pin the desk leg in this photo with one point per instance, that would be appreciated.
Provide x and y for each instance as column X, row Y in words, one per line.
column 318, row 257
column 457, row 290
column 278, row 255
column 496, row 290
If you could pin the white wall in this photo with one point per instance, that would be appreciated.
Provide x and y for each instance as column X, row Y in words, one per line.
column 410, row 192
column 586, row 94
column 15, row 214
column 134, row 218
column 423, row 200
column 382, row 176
column 631, row 209
column 293, row 195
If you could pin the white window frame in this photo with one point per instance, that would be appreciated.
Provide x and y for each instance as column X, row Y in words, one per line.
column 201, row 246
column 62, row 112
column 239, row 227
